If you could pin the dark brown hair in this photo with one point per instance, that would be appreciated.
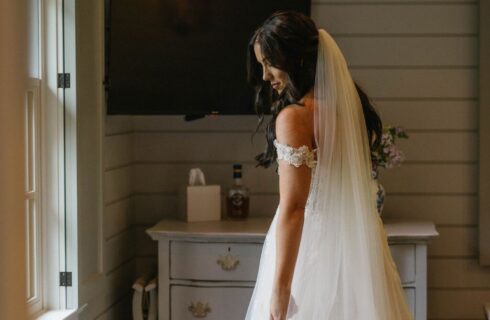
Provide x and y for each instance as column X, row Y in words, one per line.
column 289, row 42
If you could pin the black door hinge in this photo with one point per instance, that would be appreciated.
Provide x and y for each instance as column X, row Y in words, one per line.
column 63, row 80
column 65, row 279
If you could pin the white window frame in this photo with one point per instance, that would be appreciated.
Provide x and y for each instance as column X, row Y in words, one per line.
column 33, row 196
column 51, row 236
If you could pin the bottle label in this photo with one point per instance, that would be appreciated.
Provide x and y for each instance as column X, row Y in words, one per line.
column 237, row 199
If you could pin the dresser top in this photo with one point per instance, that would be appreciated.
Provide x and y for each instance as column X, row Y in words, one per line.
column 252, row 229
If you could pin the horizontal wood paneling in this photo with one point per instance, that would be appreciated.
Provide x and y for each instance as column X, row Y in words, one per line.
column 120, row 310
column 431, row 178
column 95, row 305
column 171, row 177
column 454, row 242
column 440, row 209
column 436, row 146
column 375, row 19
column 118, row 124
column 119, row 290
column 459, row 51
column 457, row 273
column 445, row 114
column 211, row 123
column 118, row 150
column 117, row 184
column 175, row 147
column 118, row 250
column 115, row 286
column 457, row 304
column 146, row 264
column 430, row 115
column 120, row 281
column 409, row 178
column 418, row 61
column 484, row 121
column 152, row 207
column 418, row 83
column 146, row 246
column 118, row 217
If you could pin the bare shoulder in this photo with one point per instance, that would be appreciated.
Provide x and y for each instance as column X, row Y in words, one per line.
column 294, row 126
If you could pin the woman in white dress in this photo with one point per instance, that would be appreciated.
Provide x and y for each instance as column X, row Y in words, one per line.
column 326, row 254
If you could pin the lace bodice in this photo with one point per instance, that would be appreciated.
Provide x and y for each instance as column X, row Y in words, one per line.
column 295, row 156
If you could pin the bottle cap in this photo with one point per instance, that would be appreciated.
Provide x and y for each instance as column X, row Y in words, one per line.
column 237, row 170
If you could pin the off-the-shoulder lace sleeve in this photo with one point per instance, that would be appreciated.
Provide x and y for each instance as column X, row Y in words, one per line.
column 295, row 156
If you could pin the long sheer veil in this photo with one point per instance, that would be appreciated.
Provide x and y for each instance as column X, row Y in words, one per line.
column 344, row 268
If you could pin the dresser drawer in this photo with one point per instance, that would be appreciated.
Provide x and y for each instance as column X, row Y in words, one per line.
column 211, row 303
column 214, row 261
column 404, row 257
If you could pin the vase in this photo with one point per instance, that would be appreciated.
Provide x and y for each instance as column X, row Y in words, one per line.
column 379, row 192
column 380, row 198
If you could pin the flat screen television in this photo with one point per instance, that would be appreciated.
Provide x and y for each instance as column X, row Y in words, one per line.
column 182, row 57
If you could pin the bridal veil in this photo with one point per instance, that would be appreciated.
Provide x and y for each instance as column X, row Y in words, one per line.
column 344, row 269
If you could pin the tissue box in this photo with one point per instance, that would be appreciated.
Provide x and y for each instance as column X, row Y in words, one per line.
column 203, row 203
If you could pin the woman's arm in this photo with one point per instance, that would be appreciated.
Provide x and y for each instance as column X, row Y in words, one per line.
column 292, row 128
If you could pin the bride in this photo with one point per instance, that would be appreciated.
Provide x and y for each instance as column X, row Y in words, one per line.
column 326, row 254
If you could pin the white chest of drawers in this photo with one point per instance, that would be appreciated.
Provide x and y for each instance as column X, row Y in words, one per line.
column 208, row 269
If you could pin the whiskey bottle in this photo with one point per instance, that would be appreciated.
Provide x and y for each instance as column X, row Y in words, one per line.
column 238, row 196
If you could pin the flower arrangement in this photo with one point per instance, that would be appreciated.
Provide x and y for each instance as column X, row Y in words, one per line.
column 387, row 155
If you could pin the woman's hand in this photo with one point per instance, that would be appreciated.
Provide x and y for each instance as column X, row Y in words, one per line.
column 279, row 304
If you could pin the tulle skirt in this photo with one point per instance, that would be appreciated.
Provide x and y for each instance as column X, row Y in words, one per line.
column 309, row 291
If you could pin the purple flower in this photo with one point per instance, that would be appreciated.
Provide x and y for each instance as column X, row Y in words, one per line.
column 387, row 155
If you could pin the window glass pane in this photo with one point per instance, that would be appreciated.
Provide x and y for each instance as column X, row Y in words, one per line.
column 33, row 37
column 33, row 219
column 30, row 142
column 31, row 250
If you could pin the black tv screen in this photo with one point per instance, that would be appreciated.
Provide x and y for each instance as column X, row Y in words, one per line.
column 183, row 57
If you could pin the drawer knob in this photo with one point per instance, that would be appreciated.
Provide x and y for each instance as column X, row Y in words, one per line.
column 228, row 262
column 199, row 310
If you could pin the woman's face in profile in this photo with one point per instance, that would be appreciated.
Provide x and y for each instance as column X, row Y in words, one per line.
column 277, row 78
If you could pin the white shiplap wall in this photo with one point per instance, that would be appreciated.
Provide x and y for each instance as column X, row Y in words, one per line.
column 167, row 147
column 118, row 231
column 418, row 60
column 104, row 232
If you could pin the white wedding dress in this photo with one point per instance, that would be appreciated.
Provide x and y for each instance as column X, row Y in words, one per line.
column 313, row 295
column 344, row 269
